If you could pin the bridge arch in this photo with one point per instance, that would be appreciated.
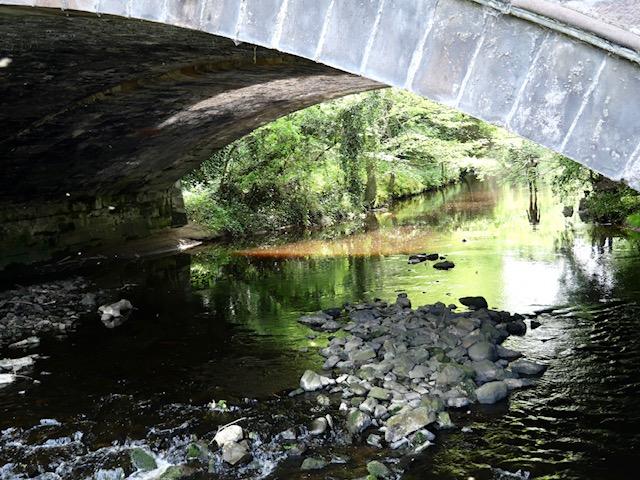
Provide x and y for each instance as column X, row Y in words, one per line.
column 104, row 121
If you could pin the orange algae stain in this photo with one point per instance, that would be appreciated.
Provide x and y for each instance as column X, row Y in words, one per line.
column 402, row 240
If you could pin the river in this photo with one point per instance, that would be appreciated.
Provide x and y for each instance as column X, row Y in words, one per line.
column 220, row 323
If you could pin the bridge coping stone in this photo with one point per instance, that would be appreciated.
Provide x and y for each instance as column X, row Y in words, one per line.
column 572, row 97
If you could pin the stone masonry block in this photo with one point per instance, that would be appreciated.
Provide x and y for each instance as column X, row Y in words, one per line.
column 607, row 133
column 501, row 68
column 401, row 28
column 350, row 24
column 258, row 24
column 555, row 90
column 220, row 17
column 302, row 27
column 457, row 30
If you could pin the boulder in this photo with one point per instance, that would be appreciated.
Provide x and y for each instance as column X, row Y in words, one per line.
column 482, row 351
column 419, row 258
column 444, row 421
column 315, row 319
column 114, row 310
column 234, row 453
column 517, row 327
column 312, row 463
column 402, row 424
column 379, row 470
column 142, row 460
column 487, row 371
column 403, row 301
column 318, row 426
column 491, row 392
column 232, row 433
column 333, row 312
column 449, row 375
column 311, row 381
column 474, row 303
column 507, row 354
column 527, row 367
column 446, row 265
column 357, row 421
column 514, row 383
column 380, row 393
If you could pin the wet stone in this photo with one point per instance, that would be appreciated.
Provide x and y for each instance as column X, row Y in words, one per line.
column 313, row 463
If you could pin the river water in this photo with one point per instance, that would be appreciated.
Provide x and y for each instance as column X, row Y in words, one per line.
column 220, row 323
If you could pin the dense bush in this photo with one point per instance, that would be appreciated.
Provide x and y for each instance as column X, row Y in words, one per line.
column 332, row 161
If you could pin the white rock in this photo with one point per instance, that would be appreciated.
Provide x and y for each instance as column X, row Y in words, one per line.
column 232, row 433
column 6, row 378
column 311, row 381
column 115, row 309
column 27, row 342
column 17, row 364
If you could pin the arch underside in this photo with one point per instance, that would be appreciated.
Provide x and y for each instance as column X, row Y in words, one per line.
column 102, row 111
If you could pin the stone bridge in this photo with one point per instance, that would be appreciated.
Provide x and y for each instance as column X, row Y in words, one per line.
column 105, row 104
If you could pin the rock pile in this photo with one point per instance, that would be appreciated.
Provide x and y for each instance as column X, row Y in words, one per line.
column 397, row 370
column 47, row 308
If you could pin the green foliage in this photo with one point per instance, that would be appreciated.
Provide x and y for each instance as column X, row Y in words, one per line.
column 633, row 220
column 614, row 205
column 332, row 161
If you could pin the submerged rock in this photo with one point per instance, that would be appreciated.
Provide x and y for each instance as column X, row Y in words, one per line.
column 142, row 460
column 527, row 367
column 379, row 470
column 176, row 472
column 234, row 453
column 313, row 463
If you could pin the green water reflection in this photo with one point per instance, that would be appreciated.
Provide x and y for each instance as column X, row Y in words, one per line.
column 483, row 228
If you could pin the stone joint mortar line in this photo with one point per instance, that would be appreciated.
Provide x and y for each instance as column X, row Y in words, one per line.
column 372, row 36
column 632, row 169
column 525, row 83
column 203, row 6
column 323, row 32
column 282, row 15
column 472, row 63
column 241, row 17
column 418, row 53
column 585, row 100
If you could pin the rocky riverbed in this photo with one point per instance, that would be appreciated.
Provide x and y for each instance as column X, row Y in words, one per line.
column 53, row 308
column 391, row 376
